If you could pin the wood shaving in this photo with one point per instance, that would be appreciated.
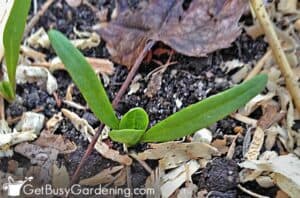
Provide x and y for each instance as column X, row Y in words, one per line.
column 40, row 75
column 104, row 177
column 285, row 171
column 171, row 181
column 173, row 154
column 256, row 144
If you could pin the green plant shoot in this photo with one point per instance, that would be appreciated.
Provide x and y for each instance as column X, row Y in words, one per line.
column 132, row 128
column 85, row 78
column 12, row 38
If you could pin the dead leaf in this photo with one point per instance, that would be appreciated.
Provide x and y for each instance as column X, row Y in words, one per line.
column 60, row 177
column 104, row 177
column 57, row 142
column 195, row 28
column 221, row 145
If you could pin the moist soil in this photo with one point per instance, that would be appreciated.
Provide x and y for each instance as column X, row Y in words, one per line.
column 190, row 80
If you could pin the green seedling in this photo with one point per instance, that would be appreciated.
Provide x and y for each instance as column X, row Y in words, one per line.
column 12, row 37
column 133, row 127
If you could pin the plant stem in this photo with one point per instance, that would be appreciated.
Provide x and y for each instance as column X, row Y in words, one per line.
column 87, row 154
column 115, row 102
column 280, row 57
column 132, row 73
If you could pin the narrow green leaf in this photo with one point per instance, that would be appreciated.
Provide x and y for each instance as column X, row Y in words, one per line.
column 12, row 37
column 85, row 78
column 135, row 118
column 130, row 137
column 206, row 112
column 6, row 91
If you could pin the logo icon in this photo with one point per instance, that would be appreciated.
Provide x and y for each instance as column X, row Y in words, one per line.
column 13, row 187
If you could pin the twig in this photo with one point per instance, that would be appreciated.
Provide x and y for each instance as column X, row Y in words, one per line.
column 87, row 154
column 281, row 59
column 132, row 73
column 115, row 102
column 37, row 17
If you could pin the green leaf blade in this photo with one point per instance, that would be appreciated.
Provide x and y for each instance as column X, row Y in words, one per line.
column 135, row 118
column 130, row 137
column 12, row 36
column 6, row 91
column 206, row 112
column 88, row 83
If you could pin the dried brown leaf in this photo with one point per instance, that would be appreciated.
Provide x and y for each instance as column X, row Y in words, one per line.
column 57, row 142
column 193, row 28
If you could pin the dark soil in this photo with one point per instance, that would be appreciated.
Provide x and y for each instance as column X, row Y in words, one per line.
column 190, row 80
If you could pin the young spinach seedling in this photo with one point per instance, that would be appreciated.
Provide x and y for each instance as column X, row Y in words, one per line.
column 133, row 126
column 12, row 38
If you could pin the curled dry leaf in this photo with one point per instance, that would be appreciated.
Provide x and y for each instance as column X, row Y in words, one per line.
column 58, row 142
column 193, row 28
column 104, row 177
column 172, row 154
column 88, row 132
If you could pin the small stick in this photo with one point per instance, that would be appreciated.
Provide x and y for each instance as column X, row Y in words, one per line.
column 115, row 102
column 132, row 73
column 281, row 59
column 87, row 154
column 37, row 17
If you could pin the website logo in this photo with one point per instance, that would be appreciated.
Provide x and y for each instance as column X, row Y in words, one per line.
column 13, row 187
